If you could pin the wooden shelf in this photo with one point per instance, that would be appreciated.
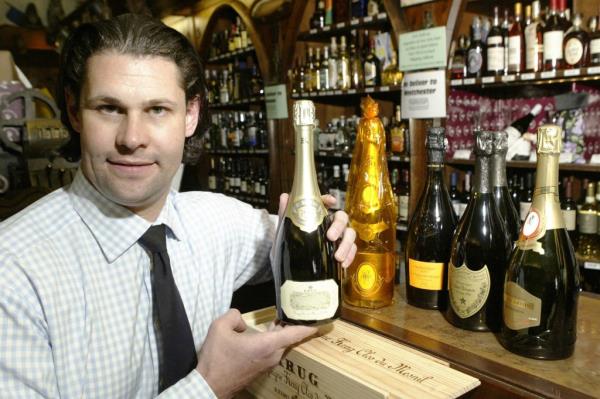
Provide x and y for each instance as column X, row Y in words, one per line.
column 342, row 155
column 530, row 78
column 238, row 104
column 227, row 57
column 375, row 22
column 342, row 96
column 564, row 167
column 240, row 152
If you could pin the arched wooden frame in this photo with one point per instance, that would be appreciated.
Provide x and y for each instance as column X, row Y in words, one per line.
column 240, row 9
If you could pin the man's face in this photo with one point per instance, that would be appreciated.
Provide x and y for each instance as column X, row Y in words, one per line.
column 133, row 120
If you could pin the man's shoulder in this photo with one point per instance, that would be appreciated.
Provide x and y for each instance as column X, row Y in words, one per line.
column 44, row 218
column 208, row 203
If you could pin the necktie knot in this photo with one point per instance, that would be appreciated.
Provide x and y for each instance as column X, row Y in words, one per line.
column 154, row 239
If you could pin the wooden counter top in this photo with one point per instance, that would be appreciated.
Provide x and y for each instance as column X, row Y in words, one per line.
column 481, row 355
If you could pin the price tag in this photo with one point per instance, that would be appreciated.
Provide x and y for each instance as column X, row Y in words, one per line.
column 593, row 70
column 572, row 72
column 322, row 153
column 369, row 90
column 488, row 79
column 591, row 265
column 548, row 74
column 527, row 76
column 312, row 31
column 508, row 78
column 595, row 159
column 462, row 154
column 456, row 82
column 311, row 94
column 368, row 19
column 337, row 92
column 354, row 21
column 351, row 91
column 469, row 81
column 384, row 88
column 381, row 15
column 328, row 93
column 327, row 28
column 340, row 25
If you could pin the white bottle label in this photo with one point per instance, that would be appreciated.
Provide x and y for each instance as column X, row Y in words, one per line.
column 595, row 46
column 310, row 300
column 521, row 309
column 468, row 289
column 573, row 51
column 212, row 182
column 403, row 207
column 514, row 53
column 570, row 217
column 495, row 60
column 524, row 210
column 531, row 47
column 370, row 73
column 553, row 41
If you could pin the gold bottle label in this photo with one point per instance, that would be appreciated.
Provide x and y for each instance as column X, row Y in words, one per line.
column 425, row 275
column 372, row 273
column 521, row 309
column 468, row 289
column 310, row 300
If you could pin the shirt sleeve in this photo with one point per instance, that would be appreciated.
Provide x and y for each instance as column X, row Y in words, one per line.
column 191, row 386
column 26, row 363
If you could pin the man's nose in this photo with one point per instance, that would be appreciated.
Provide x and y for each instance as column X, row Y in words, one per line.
column 132, row 133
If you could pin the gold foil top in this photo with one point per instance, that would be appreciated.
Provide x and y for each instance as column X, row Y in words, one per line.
column 304, row 113
column 549, row 139
column 369, row 107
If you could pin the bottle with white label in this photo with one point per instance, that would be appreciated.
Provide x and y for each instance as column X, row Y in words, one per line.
column 587, row 222
column 553, row 39
column 534, row 48
column 526, row 197
column 576, row 45
column 495, row 47
column 542, row 282
column 212, row 176
column 594, row 42
column 516, row 58
column 480, row 251
column 306, row 274
column 569, row 211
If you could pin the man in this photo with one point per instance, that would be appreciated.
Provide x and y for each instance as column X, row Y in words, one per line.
column 77, row 317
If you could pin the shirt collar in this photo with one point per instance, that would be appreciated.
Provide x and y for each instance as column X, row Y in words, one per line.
column 116, row 228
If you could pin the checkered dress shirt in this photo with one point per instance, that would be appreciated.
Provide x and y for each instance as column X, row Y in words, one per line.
column 76, row 296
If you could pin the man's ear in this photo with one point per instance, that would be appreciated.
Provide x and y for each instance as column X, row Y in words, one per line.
column 191, row 116
column 73, row 111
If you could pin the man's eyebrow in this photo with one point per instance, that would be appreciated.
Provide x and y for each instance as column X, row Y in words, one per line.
column 115, row 101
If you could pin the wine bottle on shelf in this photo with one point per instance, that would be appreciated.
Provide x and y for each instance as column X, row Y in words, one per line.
column 454, row 194
column 516, row 58
column 515, row 192
column 475, row 59
column 534, row 53
column 587, row 220
column 466, row 195
column 430, row 233
column 542, row 282
column 569, row 211
column 369, row 280
column 404, row 197
column 526, row 197
column 480, row 252
column 504, row 204
column 518, row 147
column 576, row 45
column 553, row 39
column 212, row 176
column 306, row 273
column 594, row 42
column 495, row 46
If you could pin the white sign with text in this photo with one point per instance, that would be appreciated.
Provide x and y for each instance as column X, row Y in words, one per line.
column 424, row 95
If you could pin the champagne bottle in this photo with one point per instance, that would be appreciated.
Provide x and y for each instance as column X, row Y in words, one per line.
column 480, row 252
column 306, row 273
column 430, row 233
column 542, row 282
column 504, row 203
column 369, row 280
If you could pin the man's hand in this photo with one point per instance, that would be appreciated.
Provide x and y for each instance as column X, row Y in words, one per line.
column 231, row 358
column 339, row 228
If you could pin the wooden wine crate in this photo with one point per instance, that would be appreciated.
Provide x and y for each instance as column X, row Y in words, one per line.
column 348, row 362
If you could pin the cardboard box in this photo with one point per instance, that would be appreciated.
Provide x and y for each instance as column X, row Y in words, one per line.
column 350, row 362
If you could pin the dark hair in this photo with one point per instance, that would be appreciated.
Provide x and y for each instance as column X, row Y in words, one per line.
column 132, row 34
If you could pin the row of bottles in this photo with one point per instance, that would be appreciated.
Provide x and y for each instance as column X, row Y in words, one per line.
column 247, row 178
column 328, row 12
column 229, row 40
column 535, row 43
column 339, row 134
column 237, row 130
column 353, row 64
column 238, row 81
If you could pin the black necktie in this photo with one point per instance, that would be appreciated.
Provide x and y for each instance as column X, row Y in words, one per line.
column 176, row 342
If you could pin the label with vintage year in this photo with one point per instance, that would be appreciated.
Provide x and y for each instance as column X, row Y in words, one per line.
column 468, row 289
column 425, row 275
column 521, row 309
column 310, row 300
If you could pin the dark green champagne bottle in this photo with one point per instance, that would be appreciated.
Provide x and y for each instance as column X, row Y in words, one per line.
column 430, row 233
column 480, row 252
column 307, row 276
column 506, row 208
column 542, row 282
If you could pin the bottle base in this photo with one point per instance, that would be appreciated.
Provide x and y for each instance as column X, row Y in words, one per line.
column 312, row 323
column 368, row 304
column 541, row 353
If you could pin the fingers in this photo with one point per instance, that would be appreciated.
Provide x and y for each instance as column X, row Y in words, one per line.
column 329, row 200
column 289, row 335
column 346, row 250
column 339, row 224
column 283, row 200
column 233, row 320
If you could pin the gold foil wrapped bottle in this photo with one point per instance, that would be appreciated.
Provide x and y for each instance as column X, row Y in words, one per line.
column 369, row 281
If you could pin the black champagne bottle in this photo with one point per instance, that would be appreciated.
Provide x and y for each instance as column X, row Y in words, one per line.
column 502, row 198
column 542, row 282
column 480, row 251
column 430, row 233
column 306, row 274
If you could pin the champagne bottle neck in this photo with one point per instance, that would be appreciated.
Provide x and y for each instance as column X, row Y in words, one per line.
column 435, row 156
column 482, row 175
column 546, row 195
column 499, row 170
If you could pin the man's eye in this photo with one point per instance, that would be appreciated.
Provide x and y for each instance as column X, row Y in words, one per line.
column 108, row 109
column 158, row 110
